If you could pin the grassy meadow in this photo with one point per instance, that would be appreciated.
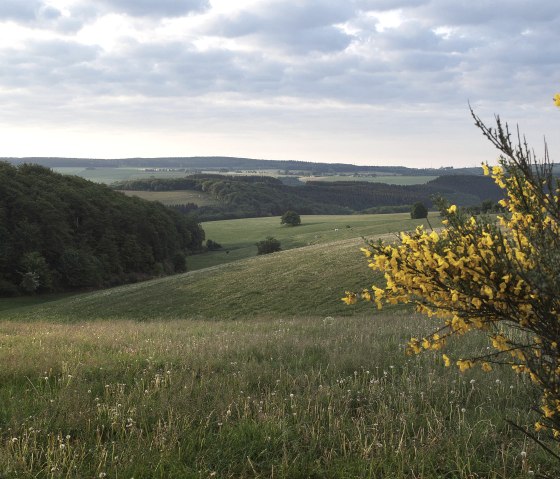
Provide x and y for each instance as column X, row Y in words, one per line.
column 252, row 369
column 238, row 237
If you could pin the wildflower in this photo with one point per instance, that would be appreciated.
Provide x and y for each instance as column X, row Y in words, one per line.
column 464, row 364
column 548, row 412
column 486, row 367
column 557, row 99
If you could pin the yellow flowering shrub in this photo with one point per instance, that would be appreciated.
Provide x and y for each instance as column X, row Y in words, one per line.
column 500, row 276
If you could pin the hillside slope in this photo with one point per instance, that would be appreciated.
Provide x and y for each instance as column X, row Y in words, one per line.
column 302, row 282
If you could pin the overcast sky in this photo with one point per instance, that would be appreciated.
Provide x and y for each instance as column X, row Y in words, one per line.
column 379, row 82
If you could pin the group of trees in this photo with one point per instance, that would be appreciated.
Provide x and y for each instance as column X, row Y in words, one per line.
column 62, row 232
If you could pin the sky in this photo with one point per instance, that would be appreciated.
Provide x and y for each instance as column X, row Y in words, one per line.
column 373, row 82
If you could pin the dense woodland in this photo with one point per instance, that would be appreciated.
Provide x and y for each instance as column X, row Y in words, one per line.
column 253, row 196
column 62, row 232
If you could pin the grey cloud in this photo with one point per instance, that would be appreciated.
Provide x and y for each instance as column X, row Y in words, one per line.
column 39, row 15
column 53, row 64
column 156, row 8
column 480, row 12
column 27, row 11
column 407, row 64
column 384, row 5
column 293, row 26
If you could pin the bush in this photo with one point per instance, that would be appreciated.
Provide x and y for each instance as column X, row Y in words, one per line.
column 418, row 211
column 498, row 276
column 268, row 245
column 213, row 245
column 290, row 218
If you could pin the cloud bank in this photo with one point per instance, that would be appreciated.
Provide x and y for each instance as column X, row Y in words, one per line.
column 389, row 79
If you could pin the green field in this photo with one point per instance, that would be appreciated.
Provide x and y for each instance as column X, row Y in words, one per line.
column 388, row 179
column 238, row 237
column 253, row 369
column 175, row 197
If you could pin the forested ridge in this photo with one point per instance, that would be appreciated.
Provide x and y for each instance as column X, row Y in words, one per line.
column 217, row 162
column 62, row 232
column 253, row 196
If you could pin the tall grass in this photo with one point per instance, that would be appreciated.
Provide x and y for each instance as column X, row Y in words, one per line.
column 294, row 398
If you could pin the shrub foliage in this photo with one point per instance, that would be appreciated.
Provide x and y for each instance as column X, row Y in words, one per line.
column 268, row 245
column 499, row 276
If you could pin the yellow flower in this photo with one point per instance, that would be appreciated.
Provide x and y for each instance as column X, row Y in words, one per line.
column 350, row 298
column 452, row 209
column 464, row 364
column 486, row 367
column 497, row 170
column 446, row 360
column 539, row 426
column 557, row 99
column 548, row 412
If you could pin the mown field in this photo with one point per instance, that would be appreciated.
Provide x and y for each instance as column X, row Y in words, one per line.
column 250, row 369
column 238, row 237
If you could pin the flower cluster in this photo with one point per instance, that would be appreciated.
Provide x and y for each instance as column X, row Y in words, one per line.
column 498, row 275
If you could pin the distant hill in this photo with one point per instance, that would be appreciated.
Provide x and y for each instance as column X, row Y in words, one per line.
column 217, row 162
column 253, row 196
column 62, row 232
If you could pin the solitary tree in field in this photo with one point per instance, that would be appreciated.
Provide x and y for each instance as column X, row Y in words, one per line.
column 290, row 218
column 418, row 211
column 501, row 277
